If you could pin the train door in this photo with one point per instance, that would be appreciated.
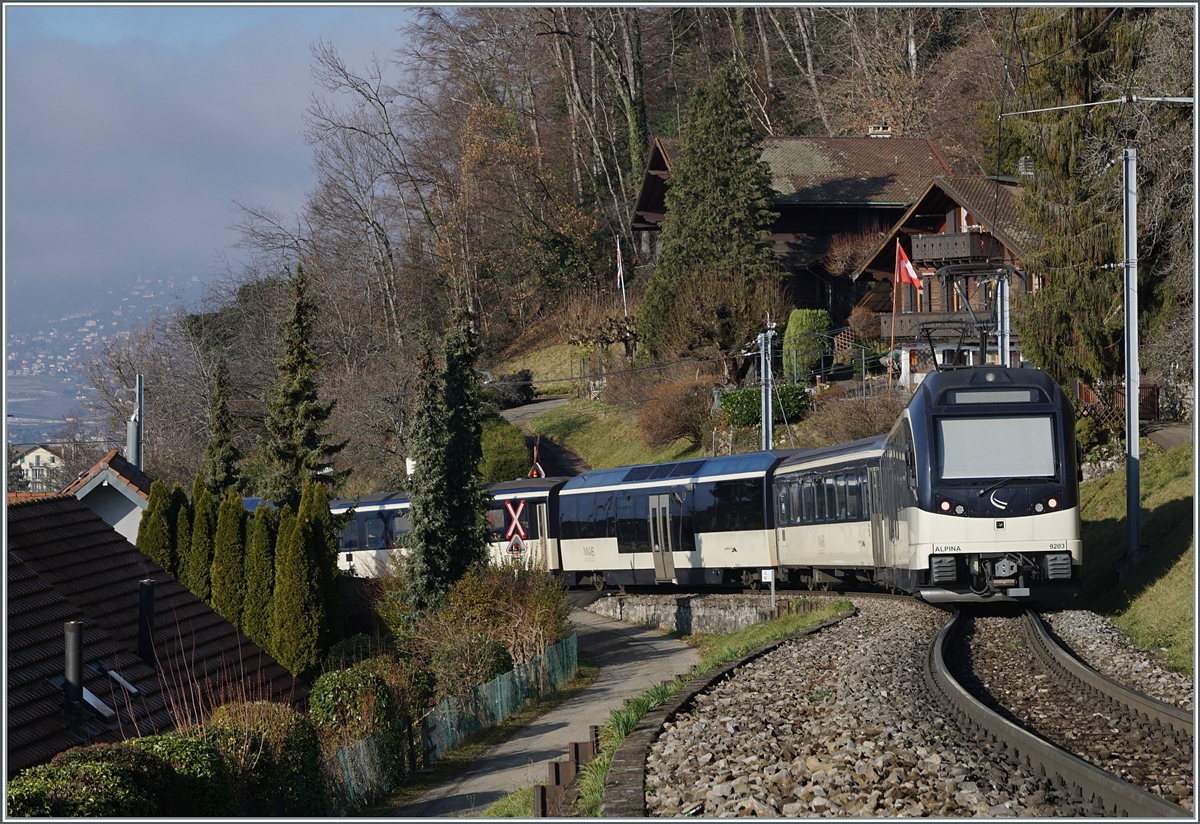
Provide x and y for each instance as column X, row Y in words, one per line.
column 875, row 505
column 660, row 539
column 548, row 553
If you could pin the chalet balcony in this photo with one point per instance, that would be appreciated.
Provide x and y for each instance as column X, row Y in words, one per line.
column 959, row 247
column 944, row 325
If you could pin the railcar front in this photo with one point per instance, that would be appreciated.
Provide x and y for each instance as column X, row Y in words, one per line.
column 374, row 533
column 523, row 522
column 981, row 477
column 691, row 523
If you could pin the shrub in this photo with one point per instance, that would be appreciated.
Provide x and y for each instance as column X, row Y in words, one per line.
column 1090, row 433
column 838, row 420
column 144, row 773
column 273, row 757
column 680, row 409
column 75, row 789
column 507, row 391
column 461, row 660
column 743, row 407
column 505, row 455
column 804, row 341
column 349, row 651
column 204, row 782
column 350, row 703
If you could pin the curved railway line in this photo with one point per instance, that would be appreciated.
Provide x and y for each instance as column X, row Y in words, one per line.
column 844, row 723
column 1116, row 750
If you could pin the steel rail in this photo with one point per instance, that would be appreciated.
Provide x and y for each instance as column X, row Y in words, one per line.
column 1103, row 790
column 1180, row 722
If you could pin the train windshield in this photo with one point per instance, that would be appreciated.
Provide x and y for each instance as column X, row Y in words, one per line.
column 984, row 448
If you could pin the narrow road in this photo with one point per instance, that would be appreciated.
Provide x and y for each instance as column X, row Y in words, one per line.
column 556, row 460
column 631, row 659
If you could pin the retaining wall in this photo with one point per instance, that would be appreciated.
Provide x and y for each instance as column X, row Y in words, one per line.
column 687, row 614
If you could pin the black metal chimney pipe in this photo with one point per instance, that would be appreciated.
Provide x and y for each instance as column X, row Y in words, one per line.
column 146, row 621
column 73, row 672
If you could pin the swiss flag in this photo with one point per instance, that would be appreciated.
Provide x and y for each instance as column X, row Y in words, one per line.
column 905, row 273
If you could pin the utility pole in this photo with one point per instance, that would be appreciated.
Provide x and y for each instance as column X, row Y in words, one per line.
column 133, row 429
column 764, row 355
column 1133, row 480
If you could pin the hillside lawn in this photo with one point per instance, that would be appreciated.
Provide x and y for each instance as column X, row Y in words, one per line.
column 1155, row 604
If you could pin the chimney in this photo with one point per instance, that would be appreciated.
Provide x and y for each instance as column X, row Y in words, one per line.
column 146, row 621
column 882, row 130
column 1025, row 166
column 73, row 672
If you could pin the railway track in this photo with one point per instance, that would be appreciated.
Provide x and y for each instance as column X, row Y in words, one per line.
column 1115, row 750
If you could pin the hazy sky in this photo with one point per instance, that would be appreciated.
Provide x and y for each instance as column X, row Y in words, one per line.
column 129, row 132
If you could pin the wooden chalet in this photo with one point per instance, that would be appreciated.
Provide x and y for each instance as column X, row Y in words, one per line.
column 151, row 655
column 833, row 194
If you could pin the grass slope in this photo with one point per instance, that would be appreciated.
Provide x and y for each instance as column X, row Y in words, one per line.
column 605, row 436
column 1155, row 605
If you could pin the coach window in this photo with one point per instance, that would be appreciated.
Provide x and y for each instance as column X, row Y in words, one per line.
column 819, row 495
column 794, row 492
column 567, row 522
column 853, row 509
column 807, row 501
column 633, row 523
column 841, row 497
column 375, row 534
column 831, row 507
column 782, row 518
column 349, row 537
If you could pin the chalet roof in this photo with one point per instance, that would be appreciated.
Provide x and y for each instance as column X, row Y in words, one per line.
column 851, row 171
column 116, row 470
column 66, row 564
column 816, row 171
column 990, row 201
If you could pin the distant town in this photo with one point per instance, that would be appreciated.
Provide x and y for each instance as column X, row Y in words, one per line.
column 44, row 375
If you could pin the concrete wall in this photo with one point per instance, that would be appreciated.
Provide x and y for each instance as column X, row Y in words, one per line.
column 690, row 613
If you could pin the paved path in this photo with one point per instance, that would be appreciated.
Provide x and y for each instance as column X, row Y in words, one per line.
column 631, row 659
column 556, row 460
column 1168, row 435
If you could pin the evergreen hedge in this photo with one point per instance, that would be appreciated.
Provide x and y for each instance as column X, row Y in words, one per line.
column 154, row 532
column 204, row 782
column 743, row 407
column 505, row 455
column 114, row 780
column 228, row 572
column 260, row 578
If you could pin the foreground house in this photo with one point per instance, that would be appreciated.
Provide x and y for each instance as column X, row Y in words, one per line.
column 116, row 490
column 153, row 655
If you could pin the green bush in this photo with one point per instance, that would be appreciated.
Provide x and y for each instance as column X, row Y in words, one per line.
column 351, row 703
column 79, row 788
column 743, row 407
column 273, row 756
column 1089, row 433
column 505, row 455
column 804, row 341
column 349, row 651
column 204, row 782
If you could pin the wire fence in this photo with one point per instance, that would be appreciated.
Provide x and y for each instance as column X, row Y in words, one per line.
column 364, row 772
column 455, row 719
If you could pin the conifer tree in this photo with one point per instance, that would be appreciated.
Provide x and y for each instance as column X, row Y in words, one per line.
column 716, row 274
column 219, row 466
column 296, row 448
column 1073, row 326
column 260, row 578
column 228, row 573
column 199, row 565
column 179, row 522
column 467, row 505
column 427, row 564
column 154, row 534
column 297, row 616
column 324, row 534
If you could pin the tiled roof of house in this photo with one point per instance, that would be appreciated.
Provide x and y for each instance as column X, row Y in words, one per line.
column 118, row 469
column 996, row 205
column 13, row 497
column 851, row 170
column 66, row 564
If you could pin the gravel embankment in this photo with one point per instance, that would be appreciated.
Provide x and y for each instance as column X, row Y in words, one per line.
column 840, row 724
column 1098, row 643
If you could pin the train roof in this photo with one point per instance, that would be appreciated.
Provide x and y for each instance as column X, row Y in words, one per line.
column 368, row 503
column 679, row 471
column 863, row 447
column 526, row 486
column 986, row 377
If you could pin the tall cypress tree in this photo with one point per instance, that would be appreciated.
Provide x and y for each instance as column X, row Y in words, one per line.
column 297, row 616
column 716, row 272
column 296, row 448
column 228, row 572
column 324, row 554
column 204, row 527
column 154, row 534
column 427, row 564
column 219, row 466
column 179, row 521
column 260, row 578
column 467, row 505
